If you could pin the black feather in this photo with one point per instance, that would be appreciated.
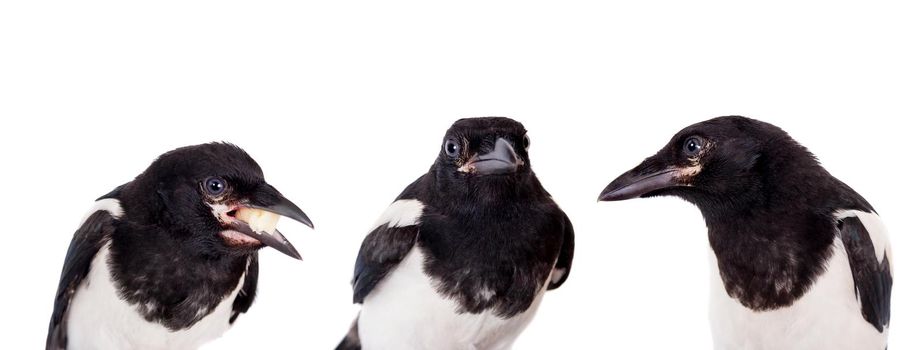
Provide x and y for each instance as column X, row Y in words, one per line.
column 872, row 278
column 503, row 233
column 89, row 238
column 247, row 292
column 167, row 254
column 770, row 209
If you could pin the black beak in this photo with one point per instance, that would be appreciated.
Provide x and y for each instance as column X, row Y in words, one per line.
column 641, row 180
column 287, row 209
column 501, row 160
column 269, row 199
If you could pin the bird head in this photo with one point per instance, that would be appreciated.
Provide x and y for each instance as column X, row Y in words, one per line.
column 477, row 149
column 214, row 197
column 722, row 161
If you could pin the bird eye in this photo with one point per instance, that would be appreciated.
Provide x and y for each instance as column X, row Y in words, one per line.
column 692, row 146
column 215, row 186
column 452, row 148
column 526, row 142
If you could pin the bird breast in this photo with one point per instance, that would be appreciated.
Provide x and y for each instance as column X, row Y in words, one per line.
column 99, row 318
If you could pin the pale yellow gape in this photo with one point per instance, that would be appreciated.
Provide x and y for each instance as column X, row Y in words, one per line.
column 260, row 221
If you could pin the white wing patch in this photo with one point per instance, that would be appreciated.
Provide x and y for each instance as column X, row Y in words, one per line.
column 877, row 232
column 403, row 212
column 110, row 205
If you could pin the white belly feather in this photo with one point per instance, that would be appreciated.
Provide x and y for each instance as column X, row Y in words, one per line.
column 98, row 319
column 405, row 312
column 828, row 316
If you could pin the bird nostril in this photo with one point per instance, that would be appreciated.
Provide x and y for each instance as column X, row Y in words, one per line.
column 231, row 213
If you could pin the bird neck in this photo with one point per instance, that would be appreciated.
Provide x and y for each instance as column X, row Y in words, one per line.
column 140, row 252
column 773, row 238
column 488, row 191
column 768, row 260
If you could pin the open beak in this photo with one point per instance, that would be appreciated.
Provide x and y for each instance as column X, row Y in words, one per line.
column 501, row 160
column 258, row 217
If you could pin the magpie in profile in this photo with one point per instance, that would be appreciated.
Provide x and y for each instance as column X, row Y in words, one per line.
column 169, row 260
column 463, row 256
column 801, row 261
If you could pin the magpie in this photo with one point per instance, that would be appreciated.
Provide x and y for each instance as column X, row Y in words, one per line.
column 461, row 259
column 169, row 259
column 800, row 260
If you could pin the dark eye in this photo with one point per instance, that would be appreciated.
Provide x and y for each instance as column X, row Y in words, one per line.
column 526, row 142
column 692, row 146
column 451, row 148
column 215, row 186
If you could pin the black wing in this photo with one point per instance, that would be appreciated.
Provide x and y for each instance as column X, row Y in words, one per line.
column 565, row 257
column 87, row 241
column 247, row 292
column 381, row 251
column 871, row 277
column 385, row 247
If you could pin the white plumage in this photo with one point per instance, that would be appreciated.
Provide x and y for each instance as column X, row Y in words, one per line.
column 99, row 319
column 828, row 316
column 406, row 312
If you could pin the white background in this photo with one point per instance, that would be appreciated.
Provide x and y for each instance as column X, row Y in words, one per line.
column 344, row 104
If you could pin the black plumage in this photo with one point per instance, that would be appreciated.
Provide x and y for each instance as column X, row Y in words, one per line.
column 872, row 278
column 175, row 248
column 487, row 224
column 771, row 209
column 87, row 241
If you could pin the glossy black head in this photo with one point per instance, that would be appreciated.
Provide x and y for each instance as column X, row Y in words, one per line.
column 213, row 197
column 483, row 153
column 483, row 147
column 719, row 162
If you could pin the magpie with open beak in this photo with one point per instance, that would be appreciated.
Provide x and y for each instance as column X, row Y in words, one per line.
column 801, row 261
column 463, row 256
column 169, row 260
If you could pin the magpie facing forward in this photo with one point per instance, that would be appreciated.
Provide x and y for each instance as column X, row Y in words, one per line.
column 169, row 260
column 463, row 256
column 801, row 261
